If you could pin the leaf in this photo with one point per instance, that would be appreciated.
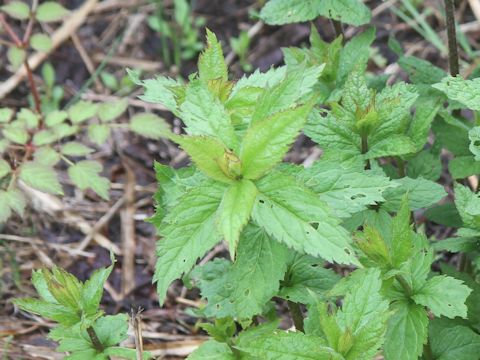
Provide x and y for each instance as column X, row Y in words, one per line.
column 55, row 117
column 444, row 214
column 210, row 156
column 51, row 11
column 295, row 86
column 451, row 340
column 82, row 111
column 5, row 168
column 235, row 211
column 41, row 42
column 44, row 137
column 16, row 201
column 150, row 126
column 346, row 189
column 294, row 216
column 40, row 177
column 406, row 332
column 211, row 64
column 425, row 113
column 109, row 111
column 421, row 71
column 474, row 137
column 267, row 141
column 98, row 133
column 212, row 350
column 421, row 193
column 281, row 345
column 242, row 289
column 6, row 115
column 425, row 164
column 16, row 57
column 84, row 175
column 278, row 12
column 307, row 275
column 204, row 114
column 5, row 211
column 393, row 145
column 46, row 156
column 258, row 79
column 187, row 234
column 463, row 166
column 57, row 312
column 468, row 206
column 402, row 242
column 452, row 134
column 445, row 296
column 17, row 10
column 74, row 148
column 466, row 92
column 93, row 289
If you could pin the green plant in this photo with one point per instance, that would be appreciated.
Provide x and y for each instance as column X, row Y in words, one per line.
column 35, row 142
column 341, row 243
column 82, row 330
column 240, row 47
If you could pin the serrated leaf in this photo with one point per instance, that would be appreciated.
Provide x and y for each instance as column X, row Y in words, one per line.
column 444, row 296
column 242, row 289
column 109, row 111
column 235, row 211
column 466, row 92
column 93, row 289
column 306, row 275
column 468, row 206
column 187, row 234
column 150, row 126
column 278, row 12
column 17, row 10
column 211, row 64
column 406, row 332
column 391, row 146
column 74, row 148
column 452, row 134
column 204, row 114
column 50, row 11
column 3, row 145
column 98, row 133
column 44, row 137
column 269, row 78
column 267, row 141
column 451, row 340
column 421, row 193
column 5, row 211
column 40, row 177
column 57, row 312
column 55, row 117
column 425, row 164
column 30, row 118
column 5, row 168
column 294, row 216
column 81, row 111
column 46, row 156
column 41, row 42
column 463, row 166
column 212, row 350
column 474, row 137
column 6, row 115
column 84, row 175
column 16, row 57
column 16, row 201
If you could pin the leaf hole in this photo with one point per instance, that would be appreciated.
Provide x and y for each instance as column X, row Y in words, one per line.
column 347, row 251
column 314, row 225
column 358, row 196
column 247, row 292
column 261, row 201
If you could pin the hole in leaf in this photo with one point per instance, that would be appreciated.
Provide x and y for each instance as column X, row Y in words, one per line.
column 261, row 201
column 247, row 292
column 476, row 143
column 314, row 225
column 347, row 251
column 357, row 196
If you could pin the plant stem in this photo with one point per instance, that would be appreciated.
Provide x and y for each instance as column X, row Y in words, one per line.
column 95, row 340
column 401, row 167
column 364, row 150
column 33, row 88
column 406, row 287
column 296, row 314
column 452, row 37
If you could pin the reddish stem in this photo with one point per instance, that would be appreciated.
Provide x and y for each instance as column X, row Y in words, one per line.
column 14, row 37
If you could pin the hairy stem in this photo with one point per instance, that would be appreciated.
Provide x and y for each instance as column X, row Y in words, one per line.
column 296, row 314
column 364, row 150
column 33, row 89
column 452, row 37
column 406, row 287
column 427, row 351
column 95, row 340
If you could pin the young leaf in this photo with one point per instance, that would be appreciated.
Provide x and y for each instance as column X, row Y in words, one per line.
column 17, row 10
column 211, row 157
column 462, row 167
column 212, row 350
column 211, row 64
column 40, row 177
column 6, row 115
column 112, row 110
column 445, row 296
column 278, row 12
column 406, row 331
column 46, row 156
column 44, row 137
column 235, row 210
column 204, row 114
column 81, row 111
column 468, row 206
column 41, row 42
column 267, row 141
column 4, row 168
column 474, row 137
column 187, row 234
column 55, row 117
column 16, row 201
column 16, row 57
column 294, row 216
column 84, row 174
column 98, row 133
column 150, row 126
column 51, row 11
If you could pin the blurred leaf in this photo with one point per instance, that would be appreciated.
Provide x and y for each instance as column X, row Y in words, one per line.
column 17, row 10
column 51, row 11
column 29, row 117
column 84, row 174
column 5, row 211
column 16, row 57
column 41, row 42
column 55, row 117
column 40, row 177
column 4, row 168
column 112, row 110
column 6, row 115
column 109, row 80
column 98, row 133
column 75, row 149
column 44, row 137
column 150, row 126
column 46, row 156
column 81, row 111
column 48, row 74
column 16, row 201
column 15, row 133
